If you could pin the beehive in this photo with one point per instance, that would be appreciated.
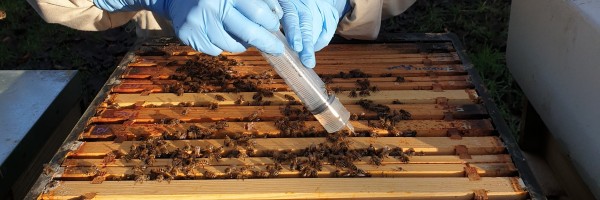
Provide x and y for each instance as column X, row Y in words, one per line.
column 175, row 123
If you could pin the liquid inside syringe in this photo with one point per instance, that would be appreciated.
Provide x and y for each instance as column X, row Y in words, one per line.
column 310, row 89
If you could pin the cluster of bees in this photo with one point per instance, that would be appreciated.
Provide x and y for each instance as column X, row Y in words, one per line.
column 308, row 162
column 202, row 74
column 186, row 160
column 210, row 74
column 215, row 74
column 336, row 151
column 387, row 118
column 364, row 89
column 195, row 132
column 292, row 124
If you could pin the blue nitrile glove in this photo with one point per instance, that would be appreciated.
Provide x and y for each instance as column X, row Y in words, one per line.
column 213, row 26
column 309, row 25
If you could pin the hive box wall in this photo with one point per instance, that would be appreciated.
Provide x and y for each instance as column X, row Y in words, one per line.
column 553, row 53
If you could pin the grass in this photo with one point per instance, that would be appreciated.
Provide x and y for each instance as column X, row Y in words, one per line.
column 28, row 42
column 23, row 33
column 482, row 26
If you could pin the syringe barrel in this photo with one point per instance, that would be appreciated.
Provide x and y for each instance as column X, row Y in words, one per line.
column 309, row 88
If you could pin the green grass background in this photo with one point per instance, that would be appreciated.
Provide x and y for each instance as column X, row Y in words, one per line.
column 27, row 42
column 482, row 26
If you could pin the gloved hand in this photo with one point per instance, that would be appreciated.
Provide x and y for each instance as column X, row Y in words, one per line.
column 309, row 25
column 213, row 26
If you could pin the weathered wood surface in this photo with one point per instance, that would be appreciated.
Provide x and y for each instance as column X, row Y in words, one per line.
column 434, row 159
column 161, row 71
column 421, row 128
column 271, row 113
column 454, row 97
column 444, row 85
column 386, row 170
column 297, row 188
column 426, row 145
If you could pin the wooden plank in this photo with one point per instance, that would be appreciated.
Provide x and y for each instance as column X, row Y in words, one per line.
column 446, row 85
column 332, row 80
column 394, row 48
column 160, row 71
column 321, row 55
column 343, row 59
column 241, row 113
column 439, row 159
column 427, row 145
column 422, row 47
column 421, row 128
column 344, row 55
column 497, row 188
column 387, row 170
column 455, row 97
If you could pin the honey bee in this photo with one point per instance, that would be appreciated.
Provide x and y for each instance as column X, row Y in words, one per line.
column 364, row 93
column 399, row 79
column 354, row 117
column 240, row 100
column 98, row 179
column 197, row 151
column 410, row 152
column 274, row 169
column 253, row 117
column 109, row 158
column 289, row 97
column 228, row 142
column 151, row 159
column 337, row 90
column 357, row 73
column 397, row 102
column 221, row 124
column 210, row 174
column 374, row 89
column 258, row 96
column 363, row 84
column 160, row 178
column 203, row 162
column 230, row 171
column 242, row 154
column 215, row 153
column 261, row 174
column 353, row 94
column 311, row 132
column 386, row 75
column 48, row 169
column 141, row 178
column 249, row 126
column 213, row 106
column 327, row 79
column 393, row 131
column 185, row 111
column 219, row 98
column 375, row 160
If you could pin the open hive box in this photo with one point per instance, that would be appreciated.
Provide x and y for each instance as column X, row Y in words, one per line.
column 173, row 123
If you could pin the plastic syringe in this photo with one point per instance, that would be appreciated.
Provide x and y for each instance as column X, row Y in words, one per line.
column 310, row 89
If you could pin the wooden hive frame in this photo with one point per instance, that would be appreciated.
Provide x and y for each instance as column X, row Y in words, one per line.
column 452, row 147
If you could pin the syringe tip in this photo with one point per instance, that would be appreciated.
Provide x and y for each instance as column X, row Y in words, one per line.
column 350, row 128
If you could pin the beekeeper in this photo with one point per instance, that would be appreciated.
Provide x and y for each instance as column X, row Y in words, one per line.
column 214, row 26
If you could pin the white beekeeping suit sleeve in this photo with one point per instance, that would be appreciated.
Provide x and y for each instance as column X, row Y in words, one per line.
column 79, row 14
column 364, row 21
column 84, row 15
